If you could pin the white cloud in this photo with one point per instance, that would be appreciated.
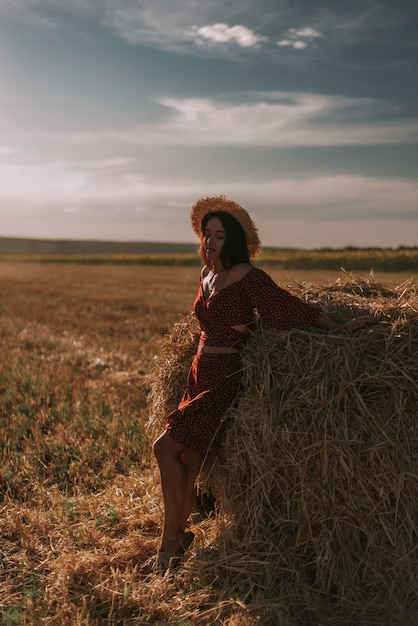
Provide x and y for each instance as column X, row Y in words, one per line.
column 162, row 23
column 263, row 119
column 167, row 24
column 277, row 120
column 309, row 33
column 297, row 44
column 299, row 39
column 175, row 24
column 223, row 33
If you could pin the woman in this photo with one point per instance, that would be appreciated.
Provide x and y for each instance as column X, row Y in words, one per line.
column 231, row 293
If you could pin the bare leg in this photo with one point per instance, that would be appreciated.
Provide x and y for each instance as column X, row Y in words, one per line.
column 192, row 461
column 179, row 467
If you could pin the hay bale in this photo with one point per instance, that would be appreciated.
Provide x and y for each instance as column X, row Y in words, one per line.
column 168, row 377
column 319, row 511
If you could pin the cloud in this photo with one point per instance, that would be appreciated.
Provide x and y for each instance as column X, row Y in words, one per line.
column 252, row 120
column 177, row 25
column 29, row 182
column 309, row 33
column 299, row 39
column 343, row 196
column 112, row 199
column 94, row 181
column 113, row 181
column 167, row 24
column 48, row 14
column 275, row 120
column 223, row 33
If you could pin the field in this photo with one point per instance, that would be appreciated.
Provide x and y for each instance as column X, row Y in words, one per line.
column 404, row 260
column 78, row 487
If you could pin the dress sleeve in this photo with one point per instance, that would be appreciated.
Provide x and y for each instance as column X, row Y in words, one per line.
column 277, row 307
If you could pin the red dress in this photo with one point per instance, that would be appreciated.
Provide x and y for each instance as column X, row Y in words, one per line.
column 214, row 379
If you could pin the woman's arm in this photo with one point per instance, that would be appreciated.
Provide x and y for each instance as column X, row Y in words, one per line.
column 281, row 309
column 352, row 325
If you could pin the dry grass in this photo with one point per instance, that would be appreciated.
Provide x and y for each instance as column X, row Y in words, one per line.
column 80, row 500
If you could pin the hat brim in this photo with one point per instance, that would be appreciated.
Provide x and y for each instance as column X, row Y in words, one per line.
column 222, row 203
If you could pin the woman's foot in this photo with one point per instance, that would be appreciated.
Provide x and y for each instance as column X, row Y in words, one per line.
column 165, row 561
column 186, row 542
column 160, row 563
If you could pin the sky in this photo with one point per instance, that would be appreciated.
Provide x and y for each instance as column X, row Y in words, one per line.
column 117, row 115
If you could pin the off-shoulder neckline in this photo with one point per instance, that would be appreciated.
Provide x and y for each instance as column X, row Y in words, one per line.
column 236, row 282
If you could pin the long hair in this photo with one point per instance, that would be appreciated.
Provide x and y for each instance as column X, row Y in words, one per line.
column 235, row 248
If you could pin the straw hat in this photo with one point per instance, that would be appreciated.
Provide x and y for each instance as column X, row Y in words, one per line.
column 222, row 203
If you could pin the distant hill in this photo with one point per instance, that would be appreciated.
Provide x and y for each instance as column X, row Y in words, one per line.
column 402, row 259
column 12, row 245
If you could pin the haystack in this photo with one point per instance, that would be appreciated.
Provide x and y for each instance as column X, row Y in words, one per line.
column 317, row 482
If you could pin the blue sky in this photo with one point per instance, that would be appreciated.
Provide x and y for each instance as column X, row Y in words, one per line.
column 117, row 115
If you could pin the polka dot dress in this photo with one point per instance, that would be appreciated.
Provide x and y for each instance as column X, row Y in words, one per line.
column 214, row 379
column 212, row 386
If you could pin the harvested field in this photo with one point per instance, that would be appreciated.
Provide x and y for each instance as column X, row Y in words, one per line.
column 80, row 499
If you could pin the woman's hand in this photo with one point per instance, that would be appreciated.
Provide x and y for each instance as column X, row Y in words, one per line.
column 358, row 322
column 351, row 326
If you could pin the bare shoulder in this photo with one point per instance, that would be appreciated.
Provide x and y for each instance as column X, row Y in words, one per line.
column 240, row 270
column 205, row 271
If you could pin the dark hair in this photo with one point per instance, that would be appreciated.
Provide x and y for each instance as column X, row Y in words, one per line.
column 235, row 248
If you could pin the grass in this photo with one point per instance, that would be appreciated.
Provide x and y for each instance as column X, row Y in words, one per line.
column 75, row 481
column 79, row 494
column 354, row 259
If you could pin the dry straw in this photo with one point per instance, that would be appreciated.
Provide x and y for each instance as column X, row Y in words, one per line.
column 317, row 482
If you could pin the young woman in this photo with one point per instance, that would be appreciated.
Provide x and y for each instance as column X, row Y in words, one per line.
column 231, row 293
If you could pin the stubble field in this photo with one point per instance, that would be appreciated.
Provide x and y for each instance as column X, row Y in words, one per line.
column 80, row 502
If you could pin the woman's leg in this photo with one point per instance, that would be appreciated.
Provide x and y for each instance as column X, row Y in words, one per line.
column 179, row 467
column 192, row 461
